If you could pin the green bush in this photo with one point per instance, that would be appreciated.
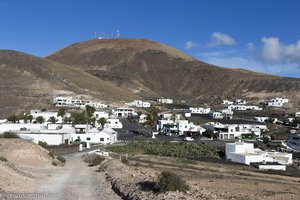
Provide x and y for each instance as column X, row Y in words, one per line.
column 125, row 161
column 9, row 135
column 3, row 159
column 169, row 181
column 93, row 159
column 43, row 144
column 54, row 163
column 61, row 159
column 51, row 155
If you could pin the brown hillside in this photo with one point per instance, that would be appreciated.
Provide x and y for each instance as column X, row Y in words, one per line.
column 30, row 82
column 159, row 70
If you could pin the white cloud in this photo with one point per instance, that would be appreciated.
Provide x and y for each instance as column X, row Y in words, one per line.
column 218, row 38
column 274, row 52
column 190, row 44
column 291, row 70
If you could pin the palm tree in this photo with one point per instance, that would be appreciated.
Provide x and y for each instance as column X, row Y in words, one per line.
column 52, row 119
column 40, row 119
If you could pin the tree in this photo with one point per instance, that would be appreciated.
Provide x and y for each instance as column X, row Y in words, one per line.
column 13, row 118
column 101, row 121
column 208, row 134
column 78, row 118
column 52, row 119
column 67, row 120
column 40, row 119
column 89, row 111
column 296, row 120
column 61, row 112
column 30, row 118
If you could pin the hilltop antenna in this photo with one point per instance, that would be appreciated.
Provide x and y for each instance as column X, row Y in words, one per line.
column 118, row 34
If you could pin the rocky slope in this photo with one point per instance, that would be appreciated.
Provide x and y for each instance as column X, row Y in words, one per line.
column 31, row 82
column 155, row 69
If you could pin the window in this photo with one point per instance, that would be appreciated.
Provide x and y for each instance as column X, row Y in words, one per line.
column 107, row 138
column 88, row 139
column 101, row 139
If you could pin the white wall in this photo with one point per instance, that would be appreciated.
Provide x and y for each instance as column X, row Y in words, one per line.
column 50, row 139
column 114, row 123
column 16, row 127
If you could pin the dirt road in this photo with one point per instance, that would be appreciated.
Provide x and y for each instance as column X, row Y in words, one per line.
column 77, row 181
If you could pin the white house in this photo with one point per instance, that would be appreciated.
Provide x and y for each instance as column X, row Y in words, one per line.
column 277, row 102
column 227, row 113
column 232, row 131
column 101, row 114
column 216, row 115
column 140, row 104
column 97, row 105
column 243, row 107
column 177, row 127
column 163, row 100
column 297, row 114
column 199, row 110
column 227, row 102
column 240, row 101
column 50, row 136
column 165, row 115
column 123, row 112
column 114, row 123
column 142, row 118
column 261, row 119
column 245, row 153
column 93, row 135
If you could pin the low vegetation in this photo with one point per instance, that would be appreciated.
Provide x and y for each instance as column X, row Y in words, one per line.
column 166, row 148
column 9, row 135
column 43, row 144
column 61, row 159
column 169, row 181
column 51, row 155
column 3, row 159
column 93, row 159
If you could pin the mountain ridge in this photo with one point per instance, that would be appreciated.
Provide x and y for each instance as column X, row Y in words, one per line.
column 156, row 69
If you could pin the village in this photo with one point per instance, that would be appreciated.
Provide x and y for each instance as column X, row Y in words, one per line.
column 236, row 124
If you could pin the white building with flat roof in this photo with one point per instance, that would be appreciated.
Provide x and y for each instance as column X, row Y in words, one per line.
column 245, row 153
column 163, row 100
column 277, row 102
column 199, row 110
column 123, row 112
column 232, row 131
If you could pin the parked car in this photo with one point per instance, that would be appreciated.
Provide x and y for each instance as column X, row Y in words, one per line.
column 188, row 139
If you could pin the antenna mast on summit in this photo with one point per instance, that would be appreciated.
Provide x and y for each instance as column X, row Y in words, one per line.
column 118, row 34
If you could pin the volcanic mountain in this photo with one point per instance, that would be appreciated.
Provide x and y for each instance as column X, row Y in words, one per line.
column 154, row 69
column 27, row 82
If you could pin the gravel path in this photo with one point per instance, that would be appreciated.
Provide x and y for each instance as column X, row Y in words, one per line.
column 77, row 181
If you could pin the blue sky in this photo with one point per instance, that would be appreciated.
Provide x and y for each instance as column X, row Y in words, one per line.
column 259, row 35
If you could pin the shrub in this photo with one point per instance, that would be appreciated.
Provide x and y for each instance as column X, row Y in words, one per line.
column 9, row 135
column 61, row 159
column 54, row 163
column 3, row 159
column 51, row 154
column 43, row 144
column 125, row 161
column 93, row 159
column 96, row 160
column 169, row 181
